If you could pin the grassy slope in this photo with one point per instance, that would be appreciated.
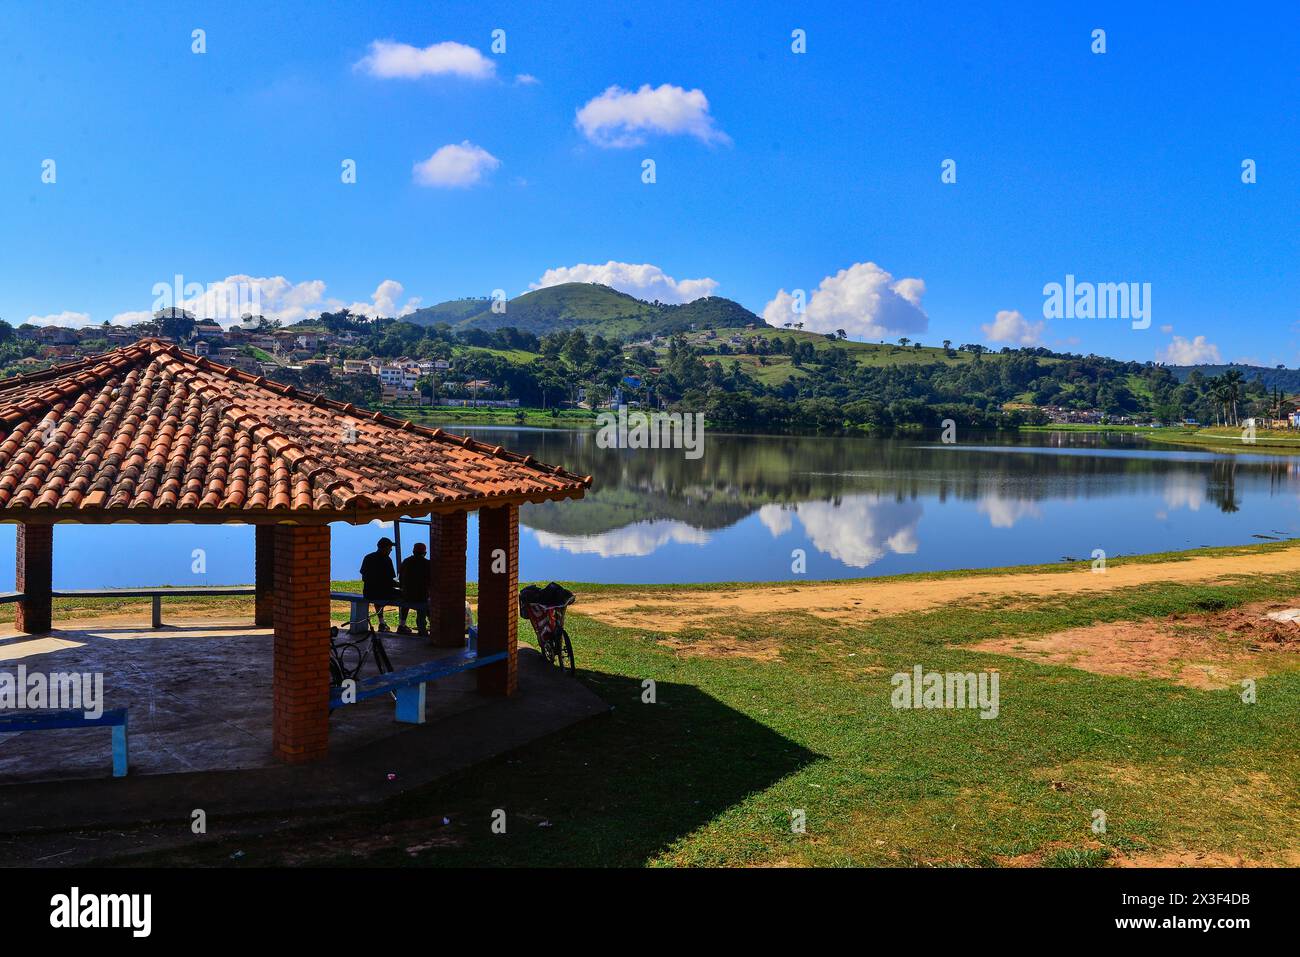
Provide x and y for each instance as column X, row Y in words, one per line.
column 1228, row 439
column 779, row 368
column 711, row 772
column 514, row 356
column 540, row 418
column 569, row 306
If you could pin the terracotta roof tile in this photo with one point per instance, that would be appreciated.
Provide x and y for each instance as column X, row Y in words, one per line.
column 149, row 428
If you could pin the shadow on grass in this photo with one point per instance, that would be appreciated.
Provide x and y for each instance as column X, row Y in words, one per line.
column 614, row 791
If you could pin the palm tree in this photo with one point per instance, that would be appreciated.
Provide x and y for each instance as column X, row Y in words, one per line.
column 1233, row 379
column 1221, row 391
column 1212, row 385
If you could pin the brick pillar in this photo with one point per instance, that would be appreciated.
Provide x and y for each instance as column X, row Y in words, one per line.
column 34, row 577
column 447, row 544
column 264, row 576
column 301, row 684
column 498, row 596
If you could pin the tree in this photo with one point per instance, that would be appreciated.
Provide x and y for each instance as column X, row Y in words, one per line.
column 1232, row 380
column 576, row 350
column 1166, row 413
column 314, row 374
column 174, row 323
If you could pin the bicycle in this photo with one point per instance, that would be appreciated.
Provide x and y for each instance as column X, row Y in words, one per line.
column 544, row 608
column 347, row 658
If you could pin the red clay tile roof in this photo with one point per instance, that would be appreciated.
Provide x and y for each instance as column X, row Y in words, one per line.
column 148, row 432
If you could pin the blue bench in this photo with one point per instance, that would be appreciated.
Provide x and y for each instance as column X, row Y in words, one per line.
column 359, row 615
column 407, row 684
column 50, row 720
column 157, row 594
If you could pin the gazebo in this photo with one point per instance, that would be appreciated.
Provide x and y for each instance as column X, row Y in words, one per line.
column 151, row 434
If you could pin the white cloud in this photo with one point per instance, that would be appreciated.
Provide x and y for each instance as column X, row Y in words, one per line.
column 863, row 300
column 275, row 297
column 640, row 538
column 777, row 519
column 859, row 530
column 1181, row 352
column 73, row 320
column 643, row 281
column 455, row 166
column 1011, row 327
column 388, row 59
column 1184, row 491
column 130, row 318
column 1006, row 512
column 619, row 117
column 1167, row 328
column 526, row 79
column 384, row 302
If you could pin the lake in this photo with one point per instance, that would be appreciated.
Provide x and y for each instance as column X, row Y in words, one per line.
column 752, row 505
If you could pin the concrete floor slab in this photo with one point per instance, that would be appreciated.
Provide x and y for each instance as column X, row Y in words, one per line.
column 199, row 700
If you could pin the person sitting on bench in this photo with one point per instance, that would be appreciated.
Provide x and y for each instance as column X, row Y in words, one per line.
column 378, row 581
column 414, row 575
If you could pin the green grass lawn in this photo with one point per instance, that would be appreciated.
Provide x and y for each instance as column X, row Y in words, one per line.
column 1090, row 427
column 514, row 356
column 1229, row 439
column 1219, row 438
column 711, row 773
column 540, row 418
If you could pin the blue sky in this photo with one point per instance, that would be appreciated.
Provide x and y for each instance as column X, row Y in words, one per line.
column 784, row 169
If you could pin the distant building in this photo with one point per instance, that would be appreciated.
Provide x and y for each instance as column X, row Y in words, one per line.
column 245, row 364
column 481, row 403
column 396, row 380
column 208, row 329
column 56, row 336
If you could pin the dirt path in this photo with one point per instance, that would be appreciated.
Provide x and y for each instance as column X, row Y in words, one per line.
column 869, row 598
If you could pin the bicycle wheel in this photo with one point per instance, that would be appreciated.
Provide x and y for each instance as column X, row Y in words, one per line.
column 568, row 650
column 382, row 663
column 348, row 659
column 550, row 650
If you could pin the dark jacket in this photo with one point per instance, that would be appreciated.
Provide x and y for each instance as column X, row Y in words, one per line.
column 377, row 578
column 415, row 578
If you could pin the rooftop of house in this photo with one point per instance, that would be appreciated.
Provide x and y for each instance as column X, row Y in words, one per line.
column 149, row 432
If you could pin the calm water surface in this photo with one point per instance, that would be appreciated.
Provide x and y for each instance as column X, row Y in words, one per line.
column 746, row 509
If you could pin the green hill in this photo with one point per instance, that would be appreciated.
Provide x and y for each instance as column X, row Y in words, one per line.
column 1288, row 380
column 451, row 312
column 590, row 307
